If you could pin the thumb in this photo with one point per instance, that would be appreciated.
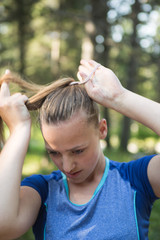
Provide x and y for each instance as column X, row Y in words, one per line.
column 4, row 90
column 5, row 86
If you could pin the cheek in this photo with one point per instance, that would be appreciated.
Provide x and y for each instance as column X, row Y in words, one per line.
column 56, row 161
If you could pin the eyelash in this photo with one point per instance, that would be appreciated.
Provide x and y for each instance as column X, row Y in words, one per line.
column 79, row 151
column 55, row 154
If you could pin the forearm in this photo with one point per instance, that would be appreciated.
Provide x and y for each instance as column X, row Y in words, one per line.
column 11, row 163
column 106, row 89
column 140, row 109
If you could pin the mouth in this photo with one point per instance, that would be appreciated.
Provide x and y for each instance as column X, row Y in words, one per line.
column 72, row 175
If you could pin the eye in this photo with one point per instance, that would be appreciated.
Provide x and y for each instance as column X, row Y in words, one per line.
column 53, row 153
column 78, row 151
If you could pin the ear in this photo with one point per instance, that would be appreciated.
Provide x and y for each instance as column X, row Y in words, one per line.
column 103, row 128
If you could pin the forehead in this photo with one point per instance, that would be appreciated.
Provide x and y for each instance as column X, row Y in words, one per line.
column 77, row 118
column 68, row 133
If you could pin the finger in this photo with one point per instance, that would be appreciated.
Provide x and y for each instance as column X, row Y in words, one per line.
column 93, row 63
column 89, row 63
column 19, row 96
column 4, row 78
column 84, row 70
column 86, row 64
column 81, row 76
column 16, row 95
column 24, row 98
column 89, row 86
column 4, row 90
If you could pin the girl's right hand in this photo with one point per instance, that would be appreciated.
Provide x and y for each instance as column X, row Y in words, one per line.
column 12, row 108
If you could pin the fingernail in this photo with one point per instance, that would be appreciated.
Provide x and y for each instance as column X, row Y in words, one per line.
column 7, row 71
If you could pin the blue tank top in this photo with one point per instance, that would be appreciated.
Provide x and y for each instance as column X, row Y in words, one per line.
column 110, row 214
column 119, row 208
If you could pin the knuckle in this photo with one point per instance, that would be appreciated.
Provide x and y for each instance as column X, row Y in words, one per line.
column 16, row 95
column 4, row 104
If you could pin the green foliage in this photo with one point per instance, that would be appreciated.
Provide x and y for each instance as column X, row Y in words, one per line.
column 27, row 236
column 43, row 41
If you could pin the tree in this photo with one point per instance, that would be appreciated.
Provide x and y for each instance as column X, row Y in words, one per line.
column 18, row 13
column 100, row 40
column 132, row 69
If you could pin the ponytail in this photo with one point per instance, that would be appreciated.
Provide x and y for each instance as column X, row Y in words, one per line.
column 56, row 102
column 36, row 93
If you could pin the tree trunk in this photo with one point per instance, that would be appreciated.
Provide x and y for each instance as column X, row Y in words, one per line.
column 102, row 29
column 21, row 34
column 132, row 73
column 23, row 17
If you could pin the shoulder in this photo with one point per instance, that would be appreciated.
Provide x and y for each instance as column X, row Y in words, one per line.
column 39, row 182
column 135, row 172
column 129, row 168
column 153, row 174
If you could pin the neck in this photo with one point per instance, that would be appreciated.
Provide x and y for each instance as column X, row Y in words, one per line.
column 96, row 175
column 81, row 193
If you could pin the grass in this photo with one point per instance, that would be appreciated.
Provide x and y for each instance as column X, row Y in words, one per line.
column 37, row 162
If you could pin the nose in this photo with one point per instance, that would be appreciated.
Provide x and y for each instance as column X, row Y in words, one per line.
column 68, row 164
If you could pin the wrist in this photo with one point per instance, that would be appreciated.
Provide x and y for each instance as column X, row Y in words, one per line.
column 23, row 127
column 120, row 98
column 123, row 102
column 116, row 100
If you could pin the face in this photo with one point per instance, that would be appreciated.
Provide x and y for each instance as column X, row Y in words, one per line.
column 74, row 146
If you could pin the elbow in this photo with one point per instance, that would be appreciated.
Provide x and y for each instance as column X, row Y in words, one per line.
column 10, row 230
column 6, row 230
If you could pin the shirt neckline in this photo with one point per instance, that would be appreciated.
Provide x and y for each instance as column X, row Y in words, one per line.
column 103, row 179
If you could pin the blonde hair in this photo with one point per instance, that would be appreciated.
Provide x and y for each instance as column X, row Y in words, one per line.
column 57, row 101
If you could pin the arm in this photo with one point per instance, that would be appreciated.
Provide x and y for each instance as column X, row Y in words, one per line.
column 106, row 89
column 18, row 208
column 140, row 109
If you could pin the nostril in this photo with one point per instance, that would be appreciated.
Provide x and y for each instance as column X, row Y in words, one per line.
column 68, row 166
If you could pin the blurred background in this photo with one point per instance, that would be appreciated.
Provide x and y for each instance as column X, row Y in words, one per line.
column 44, row 40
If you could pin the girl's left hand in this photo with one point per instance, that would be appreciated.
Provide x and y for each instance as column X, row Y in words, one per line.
column 104, row 87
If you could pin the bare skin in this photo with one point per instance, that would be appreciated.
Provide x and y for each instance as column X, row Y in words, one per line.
column 19, row 206
column 26, row 201
column 74, row 147
column 106, row 89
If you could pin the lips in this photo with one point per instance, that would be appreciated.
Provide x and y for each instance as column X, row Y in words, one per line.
column 72, row 175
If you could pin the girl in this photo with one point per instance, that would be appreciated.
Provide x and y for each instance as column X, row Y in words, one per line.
column 90, row 196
